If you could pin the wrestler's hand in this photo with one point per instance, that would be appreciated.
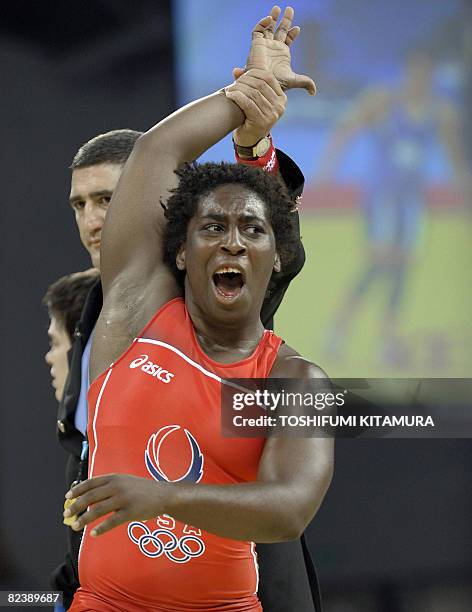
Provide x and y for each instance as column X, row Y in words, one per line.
column 127, row 497
column 270, row 50
column 261, row 98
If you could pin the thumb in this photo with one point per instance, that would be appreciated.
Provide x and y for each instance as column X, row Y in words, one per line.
column 237, row 72
column 301, row 81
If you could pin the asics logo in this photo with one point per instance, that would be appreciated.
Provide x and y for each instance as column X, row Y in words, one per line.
column 152, row 369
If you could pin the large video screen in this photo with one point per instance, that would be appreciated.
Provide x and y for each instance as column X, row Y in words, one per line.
column 384, row 149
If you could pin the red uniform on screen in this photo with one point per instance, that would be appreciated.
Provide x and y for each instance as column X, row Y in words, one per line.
column 155, row 413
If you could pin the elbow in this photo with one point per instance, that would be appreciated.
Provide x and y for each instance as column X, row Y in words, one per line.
column 292, row 531
column 303, row 513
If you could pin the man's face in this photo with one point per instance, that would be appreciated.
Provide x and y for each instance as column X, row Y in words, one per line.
column 90, row 195
column 229, row 254
column 56, row 357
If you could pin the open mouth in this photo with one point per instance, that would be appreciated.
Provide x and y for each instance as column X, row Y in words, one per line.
column 228, row 282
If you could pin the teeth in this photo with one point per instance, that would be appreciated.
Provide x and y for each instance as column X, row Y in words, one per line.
column 226, row 270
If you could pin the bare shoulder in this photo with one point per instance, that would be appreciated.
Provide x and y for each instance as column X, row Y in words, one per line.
column 290, row 364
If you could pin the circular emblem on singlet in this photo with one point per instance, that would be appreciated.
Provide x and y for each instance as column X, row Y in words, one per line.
column 179, row 543
column 155, row 444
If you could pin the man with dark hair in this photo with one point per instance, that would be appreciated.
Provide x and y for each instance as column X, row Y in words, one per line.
column 229, row 254
column 110, row 148
column 96, row 168
column 95, row 172
column 65, row 300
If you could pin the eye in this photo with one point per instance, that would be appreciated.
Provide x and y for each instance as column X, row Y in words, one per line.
column 254, row 229
column 78, row 205
column 104, row 200
column 214, row 228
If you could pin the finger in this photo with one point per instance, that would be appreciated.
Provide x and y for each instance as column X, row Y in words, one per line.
column 247, row 105
column 110, row 523
column 302, row 81
column 268, row 77
column 275, row 13
column 262, row 113
column 98, row 510
column 87, row 499
column 292, row 35
column 237, row 72
column 258, row 31
column 270, row 29
column 87, row 485
column 285, row 25
column 252, row 84
column 265, row 107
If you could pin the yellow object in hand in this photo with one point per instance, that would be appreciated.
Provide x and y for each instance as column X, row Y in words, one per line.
column 70, row 519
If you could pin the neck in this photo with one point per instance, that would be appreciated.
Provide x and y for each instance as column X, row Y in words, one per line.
column 225, row 340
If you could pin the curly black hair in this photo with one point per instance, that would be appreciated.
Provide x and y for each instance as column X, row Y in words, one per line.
column 197, row 180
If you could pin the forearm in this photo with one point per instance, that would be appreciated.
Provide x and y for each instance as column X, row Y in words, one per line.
column 259, row 512
column 193, row 129
column 148, row 177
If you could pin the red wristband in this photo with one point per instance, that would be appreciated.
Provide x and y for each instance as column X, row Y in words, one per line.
column 269, row 163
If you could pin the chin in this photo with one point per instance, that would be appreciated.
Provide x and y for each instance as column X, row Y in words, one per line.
column 238, row 310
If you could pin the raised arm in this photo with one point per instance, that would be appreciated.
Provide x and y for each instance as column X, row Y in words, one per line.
column 131, row 242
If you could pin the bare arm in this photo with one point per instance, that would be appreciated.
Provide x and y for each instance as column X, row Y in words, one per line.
column 130, row 247
column 135, row 280
column 133, row 229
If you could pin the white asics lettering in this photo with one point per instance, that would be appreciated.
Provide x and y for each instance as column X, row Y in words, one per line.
column 153, row 369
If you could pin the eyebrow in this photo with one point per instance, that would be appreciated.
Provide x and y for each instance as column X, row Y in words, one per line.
column 93, row 194
column 222, row 217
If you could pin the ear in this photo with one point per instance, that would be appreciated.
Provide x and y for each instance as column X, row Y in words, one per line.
column 180, row 259
column 277, row 264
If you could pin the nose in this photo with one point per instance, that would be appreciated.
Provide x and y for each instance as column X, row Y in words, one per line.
column 94, row 217
column 47, row 358
column 232, row 242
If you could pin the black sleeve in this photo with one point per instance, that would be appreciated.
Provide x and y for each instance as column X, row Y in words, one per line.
column 64, row 579
column 294, row 179
column 66, row 576
column 284, row 585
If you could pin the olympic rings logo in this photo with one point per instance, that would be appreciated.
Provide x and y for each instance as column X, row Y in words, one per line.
column 151, row 544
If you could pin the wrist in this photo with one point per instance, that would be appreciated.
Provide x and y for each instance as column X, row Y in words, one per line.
column 165, row 493
column 244, row 138
column 267, row 161
column 253, row 151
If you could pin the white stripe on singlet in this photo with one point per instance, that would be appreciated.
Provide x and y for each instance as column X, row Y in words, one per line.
column 194, row 363
column 97, row 405
column 183, row 355
column 256, row 565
